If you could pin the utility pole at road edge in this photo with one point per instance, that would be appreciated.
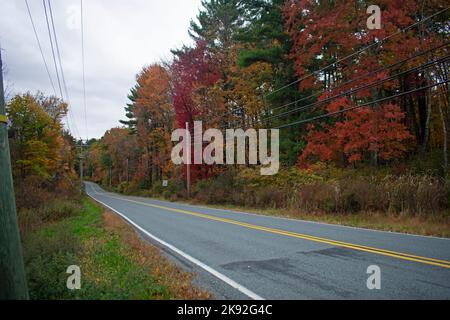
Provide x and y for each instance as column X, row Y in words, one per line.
column 13, row 284
column 81, row 166
column 188, row 160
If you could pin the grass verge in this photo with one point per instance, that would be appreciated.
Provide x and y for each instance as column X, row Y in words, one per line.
column 115, row 262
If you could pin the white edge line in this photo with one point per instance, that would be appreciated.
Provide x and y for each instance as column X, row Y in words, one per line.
column 291, row 219
column 315, row 222
column 207, row 268
column 285, row 218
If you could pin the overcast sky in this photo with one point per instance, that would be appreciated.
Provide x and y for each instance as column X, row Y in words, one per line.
column 121, row 36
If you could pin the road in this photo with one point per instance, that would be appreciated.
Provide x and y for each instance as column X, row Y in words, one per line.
column 238, row 255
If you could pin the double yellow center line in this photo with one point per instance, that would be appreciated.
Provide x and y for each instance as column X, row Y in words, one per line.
column 389, row 253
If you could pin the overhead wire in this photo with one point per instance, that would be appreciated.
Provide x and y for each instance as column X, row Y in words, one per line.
column 70, row 113
column 366, row 86
column 40, row 48
column 375, row 43
column 362, row 105
column 370, row 73
column 83, row 70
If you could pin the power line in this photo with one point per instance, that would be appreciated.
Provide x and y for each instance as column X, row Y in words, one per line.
column 363, row 76
column 40, row 47
column 378, row 42
column 84, row 75
column 362, row 105
column 53, row 50
column 70, row 111
column 352, row 91
column 54, row 61
column 43, row 57
column 57, row 51
column 373, row 72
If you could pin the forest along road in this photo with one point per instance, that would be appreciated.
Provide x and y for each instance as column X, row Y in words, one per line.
column 245, row 256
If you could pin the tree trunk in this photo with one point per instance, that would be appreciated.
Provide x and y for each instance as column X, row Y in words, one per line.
column 445, row 131
column 426, row 135
column 428, row 97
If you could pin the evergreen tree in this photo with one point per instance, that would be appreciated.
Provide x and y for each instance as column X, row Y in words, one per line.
column 265, row 40
column 129, row 111
column 218, row 22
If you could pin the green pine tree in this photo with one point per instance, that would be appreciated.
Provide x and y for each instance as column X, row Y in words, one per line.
column 129, row 111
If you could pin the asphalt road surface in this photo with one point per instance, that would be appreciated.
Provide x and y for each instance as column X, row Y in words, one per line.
column 237, row 255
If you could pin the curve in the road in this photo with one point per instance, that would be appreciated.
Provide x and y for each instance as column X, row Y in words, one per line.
column 389, row 253
column 197, row 262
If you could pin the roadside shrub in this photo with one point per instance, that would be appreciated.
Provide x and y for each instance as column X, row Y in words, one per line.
column 46, row 259
column 66, row 189
column 430, row 196
column 402, row 195
column 270, row 197
column 157, row 189
column 323, row 188
column 28, row 220
column 59, row 210
column 215, row 190
column 31, row 193
column 121, row 187
column 128, row 188
column 242, row 197
column 286, row 178
column 175, row 190
column 214, row 194
column 362, row 194
column 318, row 197
column 31, row 218
column 347, row 199
column 417, row 195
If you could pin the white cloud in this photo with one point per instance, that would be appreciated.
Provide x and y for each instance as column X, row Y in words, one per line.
column 120, row 38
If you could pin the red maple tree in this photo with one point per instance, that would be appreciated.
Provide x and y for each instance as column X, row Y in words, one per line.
column 324, row 34
column 192, row 69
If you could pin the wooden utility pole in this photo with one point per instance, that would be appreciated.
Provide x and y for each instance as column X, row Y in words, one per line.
column 110, row 176
column 81, row 166
column 13, row 284
column 188, row 160
column 128, row 169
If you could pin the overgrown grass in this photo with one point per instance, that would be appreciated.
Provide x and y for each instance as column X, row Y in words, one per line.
column 111, row 265
column 417, row 203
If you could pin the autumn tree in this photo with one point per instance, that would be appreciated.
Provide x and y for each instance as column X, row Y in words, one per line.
column 35, row 132
column 323, row 33
column 194, row 77
column 121, row 149
column 42, row 151
column 155, row 116
column 265, row 40
column 219, row 22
